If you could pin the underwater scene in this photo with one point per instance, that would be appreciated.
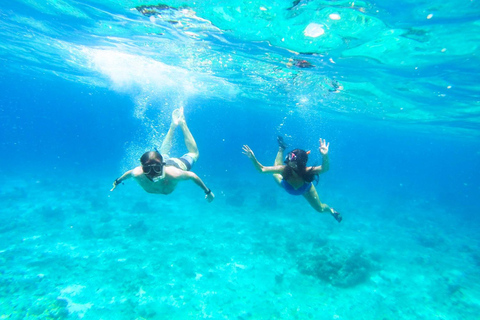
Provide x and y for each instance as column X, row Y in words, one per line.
column 155, row 159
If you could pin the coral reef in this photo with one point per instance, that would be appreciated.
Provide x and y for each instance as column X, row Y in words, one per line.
column 337, row 266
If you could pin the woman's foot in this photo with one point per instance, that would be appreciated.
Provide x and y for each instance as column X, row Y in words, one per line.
column 281, row 143
column 336, row 215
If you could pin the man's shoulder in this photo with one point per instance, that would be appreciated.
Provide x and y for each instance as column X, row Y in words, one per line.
column 172, row 171
column 137, row 171
column 176, row 173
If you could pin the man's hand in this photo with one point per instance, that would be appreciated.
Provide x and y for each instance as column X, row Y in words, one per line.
column 323, row 147
column 115, row 184
column 210, row 196
column 247, row 151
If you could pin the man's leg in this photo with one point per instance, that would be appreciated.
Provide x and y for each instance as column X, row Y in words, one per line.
column 168, row 141
column 177, row 117
column 189, row 140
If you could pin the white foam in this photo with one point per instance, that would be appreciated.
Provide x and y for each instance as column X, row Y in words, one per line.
column 129, row 72
column 313, row 30
column 334, row 16
column 153, row 82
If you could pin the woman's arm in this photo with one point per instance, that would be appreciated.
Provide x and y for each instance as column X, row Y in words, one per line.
column 325, row 162
column 124, row 177
column 260, row 167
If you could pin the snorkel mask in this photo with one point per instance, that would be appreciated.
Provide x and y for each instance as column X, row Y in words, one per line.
column 297, row 156
column 291, row 156
column 154, row 170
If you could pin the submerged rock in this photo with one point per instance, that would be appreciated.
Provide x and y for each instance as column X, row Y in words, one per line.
column 153, row 9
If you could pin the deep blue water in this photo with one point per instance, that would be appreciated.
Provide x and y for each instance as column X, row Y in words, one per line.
column 87, row 87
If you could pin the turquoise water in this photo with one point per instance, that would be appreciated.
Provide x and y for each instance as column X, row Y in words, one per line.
column 88, row 86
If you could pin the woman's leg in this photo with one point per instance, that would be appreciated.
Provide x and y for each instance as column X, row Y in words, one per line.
column 314, row 200
column 279, row 159
column 278, row 162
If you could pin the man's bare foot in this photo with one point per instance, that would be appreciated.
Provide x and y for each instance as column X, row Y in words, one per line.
column 177, row 116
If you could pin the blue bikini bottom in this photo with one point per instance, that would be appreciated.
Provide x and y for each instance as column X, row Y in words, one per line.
column 296, row 192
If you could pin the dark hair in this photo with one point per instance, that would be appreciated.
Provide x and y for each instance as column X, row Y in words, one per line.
column 301, row 158
column 151, row 156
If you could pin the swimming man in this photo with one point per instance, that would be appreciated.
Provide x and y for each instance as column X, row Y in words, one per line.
column 158, row 173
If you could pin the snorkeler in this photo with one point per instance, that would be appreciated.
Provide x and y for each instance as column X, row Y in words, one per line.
column 300, row 63
column 160, row 174
column 294, row 175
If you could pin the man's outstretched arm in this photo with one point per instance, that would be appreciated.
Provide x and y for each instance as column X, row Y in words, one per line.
column 192, row 176
column 124, row 177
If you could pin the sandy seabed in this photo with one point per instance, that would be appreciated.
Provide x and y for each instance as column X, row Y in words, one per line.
column 75, row 250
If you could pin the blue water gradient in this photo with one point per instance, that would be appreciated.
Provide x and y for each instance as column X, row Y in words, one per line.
column 89, row 86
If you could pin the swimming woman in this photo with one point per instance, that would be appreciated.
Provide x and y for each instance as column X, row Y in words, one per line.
column 293, row 174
